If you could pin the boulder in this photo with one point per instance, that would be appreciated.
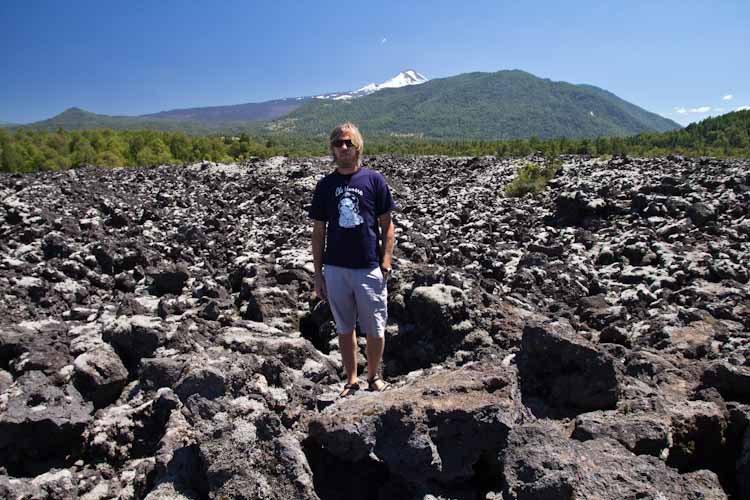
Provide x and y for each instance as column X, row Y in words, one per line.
column 209, row 382
column 436, row 308
column 293, row 352
column 540, row 462
column 268, row 303
column 643, row 433
column 35, row 345
column 565, row 372
column 100, row 375
column 178, row 468
column 40, row 424
column 733, row 382
column 435, row 429
column 160, row 372
column 131, row 430
column 169, row 279
column 135, row 337
column 245, row 452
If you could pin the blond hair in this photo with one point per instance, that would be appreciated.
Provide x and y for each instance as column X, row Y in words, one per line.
column 354, row 135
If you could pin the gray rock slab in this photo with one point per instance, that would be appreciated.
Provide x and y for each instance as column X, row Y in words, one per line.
column 540, row 462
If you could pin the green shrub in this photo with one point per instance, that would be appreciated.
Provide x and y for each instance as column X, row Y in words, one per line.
column 531, row 178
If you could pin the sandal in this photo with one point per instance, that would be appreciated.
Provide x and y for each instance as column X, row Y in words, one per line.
column 373, row 387
column 349, row 389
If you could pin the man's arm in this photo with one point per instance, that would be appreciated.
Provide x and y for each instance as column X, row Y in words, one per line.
column 318, row 245
column 387, row 236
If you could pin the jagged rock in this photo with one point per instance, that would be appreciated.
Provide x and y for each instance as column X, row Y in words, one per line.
column 132, row 430
column 649, row 270
column 167, row 490
column 34, row 345
column 160, row 372
column 415, row 431
column 40, row 424
column 178, row 467
column 55, row 245
column 641, row 433
column 246, row 452
column 124, row 282
column 698, row 435
column 135, row 338
column 436, row 307
column 100, row 375
column 169, row 305
column 700, row 214
column 733, row 382
column 599, row 314
column 52, row 485
column 171, row 279
column 292, row 352
column 566, row 372
column 540, row 462
column 208, row 382
column 267, row 303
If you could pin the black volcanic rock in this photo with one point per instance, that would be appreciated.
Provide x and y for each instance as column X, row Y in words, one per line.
column 135, row 337
column 40, row 424
column 410, row 429
column 614, row 305
column 566, row 372
column 541, row 463
column 100, row 375
column 170, row 279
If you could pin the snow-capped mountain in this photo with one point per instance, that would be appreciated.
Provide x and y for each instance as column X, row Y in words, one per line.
column 408, row 77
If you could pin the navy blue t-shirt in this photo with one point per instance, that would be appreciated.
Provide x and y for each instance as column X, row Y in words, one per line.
column 351, row 205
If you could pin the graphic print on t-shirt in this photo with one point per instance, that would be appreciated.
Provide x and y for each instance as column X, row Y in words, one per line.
column 348, row 208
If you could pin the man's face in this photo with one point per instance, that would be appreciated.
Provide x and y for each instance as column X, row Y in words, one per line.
column 346, row 156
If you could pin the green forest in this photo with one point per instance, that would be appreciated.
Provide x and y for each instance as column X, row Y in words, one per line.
column 30, row 151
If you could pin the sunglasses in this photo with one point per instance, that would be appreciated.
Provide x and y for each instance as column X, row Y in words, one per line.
column 337, row 143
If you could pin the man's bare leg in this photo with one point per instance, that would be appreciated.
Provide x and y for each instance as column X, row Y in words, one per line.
column 348, row 348
column 375, row 348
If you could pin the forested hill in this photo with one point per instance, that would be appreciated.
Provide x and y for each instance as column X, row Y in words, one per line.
column 238, row 113
column 78, row 119
column 731, row 129
column 501, row 105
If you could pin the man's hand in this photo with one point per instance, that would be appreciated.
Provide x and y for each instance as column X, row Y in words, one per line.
column 320, row 287
column 385, row 272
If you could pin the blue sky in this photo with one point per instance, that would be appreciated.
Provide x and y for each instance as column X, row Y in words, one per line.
column 680, row 59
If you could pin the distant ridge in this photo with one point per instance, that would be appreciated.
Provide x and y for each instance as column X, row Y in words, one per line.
column 218, row 115
column 502, row 105
column 77, row 118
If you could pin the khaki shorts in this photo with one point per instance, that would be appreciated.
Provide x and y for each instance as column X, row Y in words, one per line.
column 357, row 295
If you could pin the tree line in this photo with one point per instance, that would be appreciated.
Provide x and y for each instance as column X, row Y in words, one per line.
column 29, row 151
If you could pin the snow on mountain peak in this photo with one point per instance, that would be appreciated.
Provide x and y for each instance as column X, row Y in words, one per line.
column 404, row 78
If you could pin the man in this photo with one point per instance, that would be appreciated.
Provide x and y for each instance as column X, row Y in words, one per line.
column 352, row 245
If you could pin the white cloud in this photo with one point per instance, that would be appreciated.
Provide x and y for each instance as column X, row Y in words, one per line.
column 719, row 110
column 727, row 97
column 682, row 110
column 743, row 108
column 383, row 40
